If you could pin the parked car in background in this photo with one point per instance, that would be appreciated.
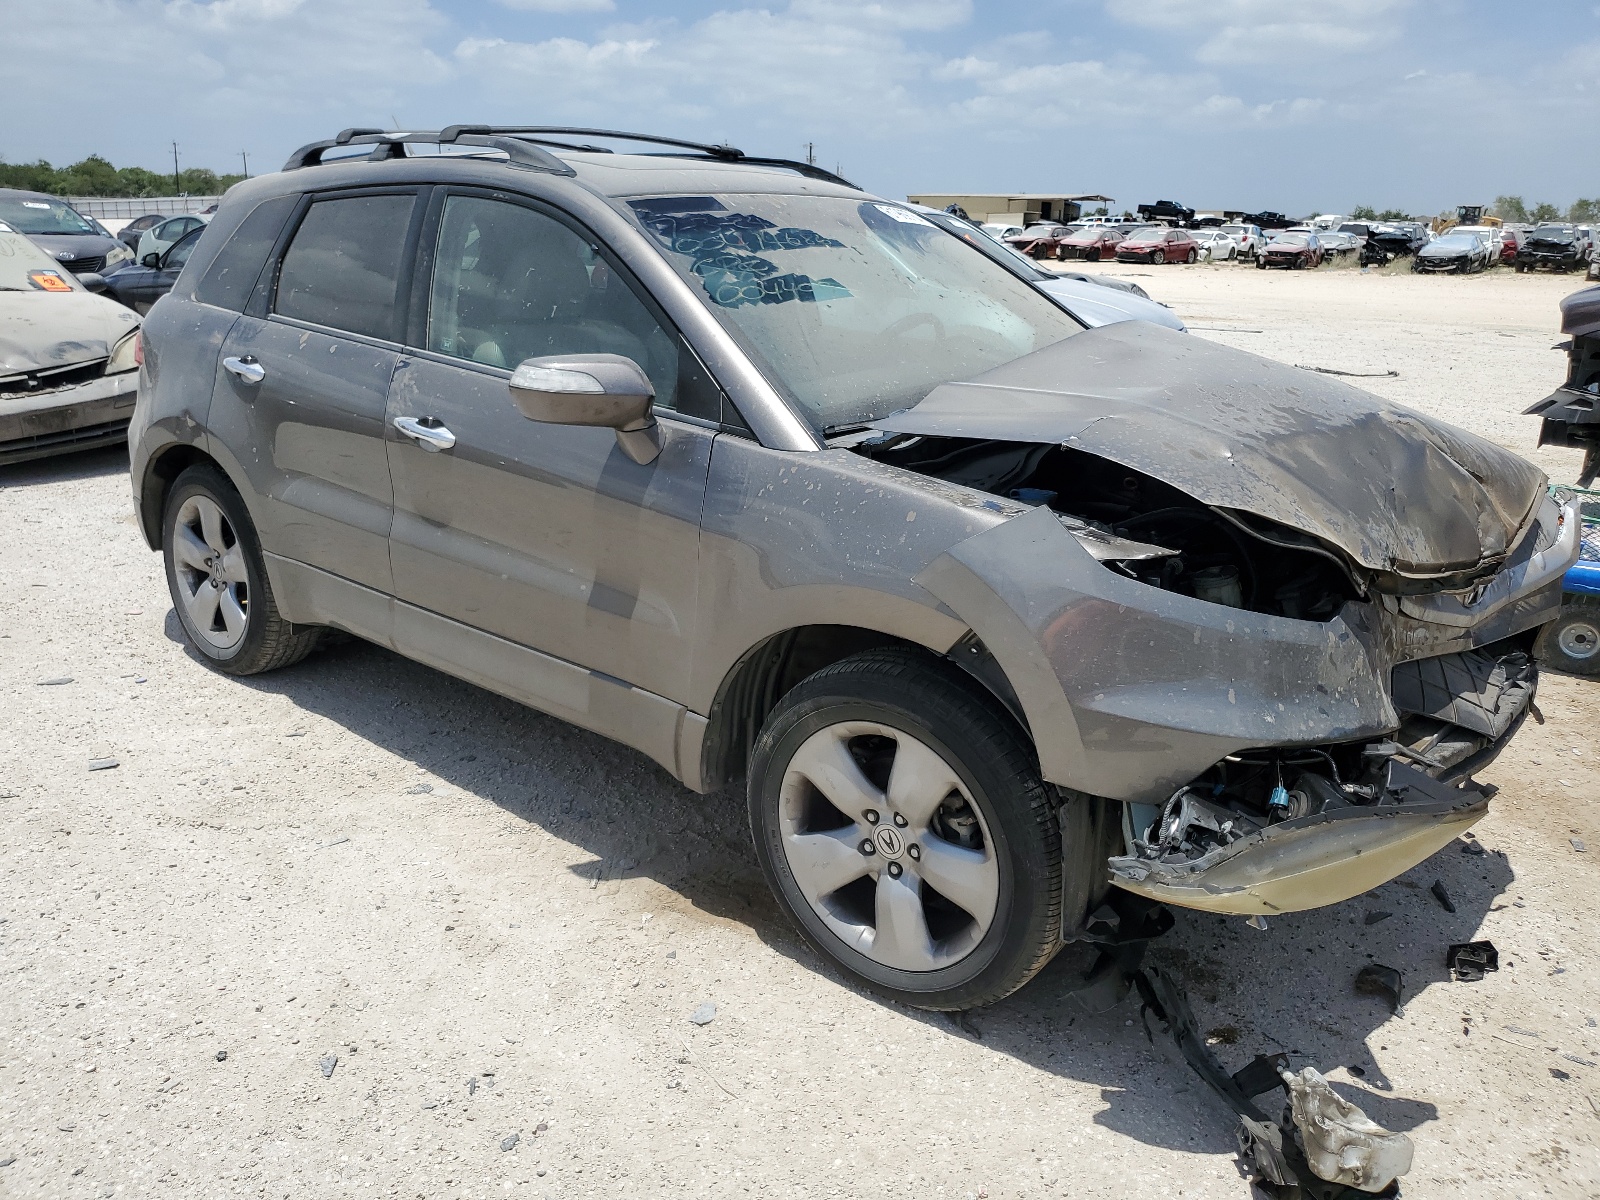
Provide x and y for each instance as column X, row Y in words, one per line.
column 1091, row 243
column 158, row 238
column 1216, row 244
column 1338, row 242
column 1094, row 299
column 129, row 234
column 1169, row 212
column 1386, row 243
column 64, row 233
column 1158, row 244
column 1268, row 221
column 68, row 358
column 1039, row 241
column 140, row 285
column 958, row 589
column 1510, row 240
column 999, row 230
column 1463, row 253
column 1491, row 237
column 1292, row 251
column 1556, row 246
column 1249, row 238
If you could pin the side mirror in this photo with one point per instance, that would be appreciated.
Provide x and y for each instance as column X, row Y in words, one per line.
column 93, row 281
column 591, row 389
column 153, row 259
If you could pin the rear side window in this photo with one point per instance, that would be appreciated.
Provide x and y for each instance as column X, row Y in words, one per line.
column 232, row 275
column 343, row 267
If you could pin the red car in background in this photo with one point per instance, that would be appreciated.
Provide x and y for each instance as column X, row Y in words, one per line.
column 1292, row 251
column 1158, row 244
column 1039, row 241
column 1510, row 239
column 1092, row 243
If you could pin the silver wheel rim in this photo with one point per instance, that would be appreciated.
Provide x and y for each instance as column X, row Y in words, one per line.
column 925, row 894
column 208, row 563
column 1579, row 640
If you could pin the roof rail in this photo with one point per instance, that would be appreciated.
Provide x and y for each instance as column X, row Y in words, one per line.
column 520, row 143
column 385, row 145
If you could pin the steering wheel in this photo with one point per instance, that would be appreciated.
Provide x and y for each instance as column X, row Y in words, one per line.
column 906, row 324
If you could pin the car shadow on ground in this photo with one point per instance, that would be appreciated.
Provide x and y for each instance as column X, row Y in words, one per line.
column 63, row 468
column 1288, row 988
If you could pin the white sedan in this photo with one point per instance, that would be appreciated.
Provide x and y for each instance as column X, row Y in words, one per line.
column 1217, row 245
column 159, row 238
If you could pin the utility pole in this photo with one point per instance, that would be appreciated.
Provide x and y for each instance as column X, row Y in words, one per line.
column 245, row 159
column 811, row 154
column 177, row 181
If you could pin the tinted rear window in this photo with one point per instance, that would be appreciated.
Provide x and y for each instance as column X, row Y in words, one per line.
column 233, row 273
column 343, row 267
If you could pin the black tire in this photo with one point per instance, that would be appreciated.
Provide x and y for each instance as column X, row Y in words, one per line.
column 1261, row 264
column 1158, row 257
column 941, row 707
column 1578, row 627
column 1191, row 257
column 269, row 641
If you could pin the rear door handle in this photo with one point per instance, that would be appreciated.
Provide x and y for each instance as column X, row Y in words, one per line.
column 427, row 432
column 245, row 367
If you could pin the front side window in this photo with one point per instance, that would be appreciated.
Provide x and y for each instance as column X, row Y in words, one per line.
column 853, row 308
column 510, row 283
column 342, row 269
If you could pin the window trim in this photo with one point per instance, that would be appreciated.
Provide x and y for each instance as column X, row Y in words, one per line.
column 416, row 326
column 263, row 302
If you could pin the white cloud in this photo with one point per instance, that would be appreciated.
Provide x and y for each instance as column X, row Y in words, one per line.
column 1257, row 32
column 560, row 6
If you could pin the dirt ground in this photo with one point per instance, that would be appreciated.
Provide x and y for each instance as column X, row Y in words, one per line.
column 357, row 929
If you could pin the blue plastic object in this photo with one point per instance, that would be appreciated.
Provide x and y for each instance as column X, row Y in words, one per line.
column 1280, row 797
column 1583, row 577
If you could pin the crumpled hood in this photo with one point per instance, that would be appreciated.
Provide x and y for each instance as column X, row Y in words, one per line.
column 56, row 329
column 1393, row 489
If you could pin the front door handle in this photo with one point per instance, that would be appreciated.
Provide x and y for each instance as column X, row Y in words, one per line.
column 245, row 367
column 427, row 432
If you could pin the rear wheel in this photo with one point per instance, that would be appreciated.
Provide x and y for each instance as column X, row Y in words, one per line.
column 1191, row 256
column 218, row 581
column 901, row 821
column 1571, row 642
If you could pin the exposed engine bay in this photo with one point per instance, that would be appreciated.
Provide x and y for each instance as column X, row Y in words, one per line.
column 1141, row 527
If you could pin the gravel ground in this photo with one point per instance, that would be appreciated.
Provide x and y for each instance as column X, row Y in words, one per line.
column 358, row 929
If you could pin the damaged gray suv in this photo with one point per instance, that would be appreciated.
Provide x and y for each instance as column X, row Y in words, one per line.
column 1000, row 616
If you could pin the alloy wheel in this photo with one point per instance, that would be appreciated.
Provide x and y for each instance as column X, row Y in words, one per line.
column 887, row 846
column 213, row 583
column 1579, row 640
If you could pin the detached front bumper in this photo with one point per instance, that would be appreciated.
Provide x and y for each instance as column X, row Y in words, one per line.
column 1133, row 694
column 84, row 417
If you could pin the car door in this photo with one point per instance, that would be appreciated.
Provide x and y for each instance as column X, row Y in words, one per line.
column 547, row 536
column 305, row 381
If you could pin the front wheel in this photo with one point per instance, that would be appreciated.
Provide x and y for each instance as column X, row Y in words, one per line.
column 218, row 580
column 1158, row 257
column 901, row 820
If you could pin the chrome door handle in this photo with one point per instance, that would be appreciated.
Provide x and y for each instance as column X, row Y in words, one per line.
column 246, row 368
column 427, row 432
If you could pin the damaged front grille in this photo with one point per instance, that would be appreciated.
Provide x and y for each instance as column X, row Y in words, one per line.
column 1458, row 710
column 51, row 379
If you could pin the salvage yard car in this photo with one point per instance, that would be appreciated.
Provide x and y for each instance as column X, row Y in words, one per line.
column 1157, row 244
column 1292, row 251
column 1460, row 252
column 140, row 285
column 776, row 480
column 1091, row 243
column 1039, row 241
column 78, row 244
column 1216, row 245
column 1555, row 246
column 68, row 358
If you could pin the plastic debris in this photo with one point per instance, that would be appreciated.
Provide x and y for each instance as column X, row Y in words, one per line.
column 703, row 1014
column 1468, row 961
column 1343, row 1144
column 103, row 764
column 328, row 1062
column 56, row 682
column 1386, row 983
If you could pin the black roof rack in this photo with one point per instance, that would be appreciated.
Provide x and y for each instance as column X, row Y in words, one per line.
column 521, row 144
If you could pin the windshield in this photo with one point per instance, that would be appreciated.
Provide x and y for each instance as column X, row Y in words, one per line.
column 1292, row 239
column 1234, row 230
column 1552, row 233
column 41, row 216
column 854, row 308
column 26, row 268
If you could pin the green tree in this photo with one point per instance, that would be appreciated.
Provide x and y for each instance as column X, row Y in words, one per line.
column 1510, row 208
column 1364, row 212
column 1393, row 214
column 95, row 176
column 1541, row 213
column 1584, row 212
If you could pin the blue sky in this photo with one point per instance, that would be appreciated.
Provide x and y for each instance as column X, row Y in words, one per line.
column 1241, row 103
